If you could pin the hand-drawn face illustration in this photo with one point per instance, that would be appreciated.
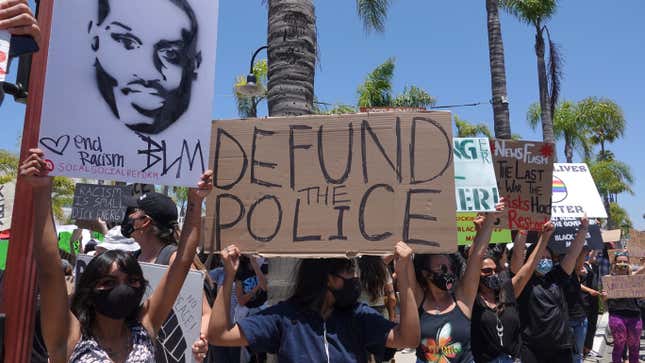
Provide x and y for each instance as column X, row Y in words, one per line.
column 145, row 70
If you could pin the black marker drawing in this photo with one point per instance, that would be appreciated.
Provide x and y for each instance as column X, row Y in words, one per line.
column 152, row 89
column 171, row 345
column 57, row 146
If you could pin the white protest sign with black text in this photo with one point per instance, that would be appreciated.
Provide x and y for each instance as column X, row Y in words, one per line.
column 7, row 196
column 129, row 90
column 575, row 193
column 475, row 183
column 182, row 327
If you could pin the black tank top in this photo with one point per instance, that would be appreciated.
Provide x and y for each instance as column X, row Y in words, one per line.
column 486, row 342
column 444, row 337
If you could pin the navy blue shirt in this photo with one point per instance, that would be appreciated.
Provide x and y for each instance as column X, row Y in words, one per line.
column 297, row 335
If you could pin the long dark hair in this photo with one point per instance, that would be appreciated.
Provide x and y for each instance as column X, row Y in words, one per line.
column 311, row 280
column 373, row 274
column 502, row 296
column 99, row 267
column 422, row 263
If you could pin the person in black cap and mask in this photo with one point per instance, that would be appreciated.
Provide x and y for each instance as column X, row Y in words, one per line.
column 151, row 220
column 322, row 321
column 108, row 319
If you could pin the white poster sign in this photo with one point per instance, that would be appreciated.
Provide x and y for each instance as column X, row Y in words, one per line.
column 5, row 41
column 129, row 90
column 475, row 183
column 7, row 195
column 575, row 193
column 181, row 329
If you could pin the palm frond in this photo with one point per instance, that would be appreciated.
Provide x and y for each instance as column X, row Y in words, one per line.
column 373, row 13
column 556, row 63
column 534, row 12
column 534, row 116
column 376, row 91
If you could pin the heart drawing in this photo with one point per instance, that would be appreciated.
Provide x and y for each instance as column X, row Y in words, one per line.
column 57, row 146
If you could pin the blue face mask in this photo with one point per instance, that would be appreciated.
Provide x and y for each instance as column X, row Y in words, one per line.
column 544, row 266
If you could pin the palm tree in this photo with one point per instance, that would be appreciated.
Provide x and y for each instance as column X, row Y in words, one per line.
column 612, row 177
column 537, row 13
column 605, row 119
column 292, row 50
column 247, row 107
column 620, row 218
column 568, row 124
column 497, row 71
column 8, row 166
column 466, row 129
column 376, row 90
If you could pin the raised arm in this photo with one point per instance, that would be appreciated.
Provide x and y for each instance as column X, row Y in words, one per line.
column 467, row 288
column 524, row 274
column 163, row 298
column 63, row 330
column 407, row 333
column 568, row 263
column 519, row 251
column 221, row 331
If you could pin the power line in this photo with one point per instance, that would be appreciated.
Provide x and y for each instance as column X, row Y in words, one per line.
column 460, row 105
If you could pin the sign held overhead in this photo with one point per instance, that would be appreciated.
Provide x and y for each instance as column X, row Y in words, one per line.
column 575, row 193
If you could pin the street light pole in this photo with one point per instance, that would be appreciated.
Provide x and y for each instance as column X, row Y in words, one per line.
column 251, row 88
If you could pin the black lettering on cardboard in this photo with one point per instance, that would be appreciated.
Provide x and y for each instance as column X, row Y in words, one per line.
column 219, row 226
column 339, row 224
column 321, row 157
column 413, row 141
column 297, row 238
column 292, row 147
column 408, row 216
column 335, row 201
column 249, row 218
column 245, row 161
column 263, row 164
column 361, row 214
column 365, row 128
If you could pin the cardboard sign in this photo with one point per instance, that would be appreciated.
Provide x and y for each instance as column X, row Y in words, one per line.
column 129, row 89
column 475, row 183
column 565, row 232
column 575, row 193
column 334, row 185
column 618, row 287
column 181, row 329
column 7, row 196
column 92, row 201
column 611, row 236
column 466, row 231
column 636, row 244
column 524, row 171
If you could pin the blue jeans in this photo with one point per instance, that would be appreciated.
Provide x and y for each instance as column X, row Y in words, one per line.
column 504, row 359
column 578, row 329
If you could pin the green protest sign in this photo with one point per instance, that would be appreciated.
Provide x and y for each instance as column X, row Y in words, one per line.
column 63, row 243
column 4, row 247
column 466, row 230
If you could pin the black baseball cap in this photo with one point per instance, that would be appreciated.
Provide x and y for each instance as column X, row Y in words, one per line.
column 157, row 206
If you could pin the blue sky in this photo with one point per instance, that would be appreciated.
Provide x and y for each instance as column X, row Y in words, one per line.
column 442, row 46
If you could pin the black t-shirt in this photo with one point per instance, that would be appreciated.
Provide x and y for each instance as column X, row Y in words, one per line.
column 624, row 307
column 484, row 334
column 591, row 281
column 444, row 337
column 574, row 297
column 543, row 311
column 248, row 280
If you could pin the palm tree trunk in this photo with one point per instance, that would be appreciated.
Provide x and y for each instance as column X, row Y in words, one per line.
column 568, row 150
column 292, row 57
column 610, row 224
column 545, row 103
column 497, row 71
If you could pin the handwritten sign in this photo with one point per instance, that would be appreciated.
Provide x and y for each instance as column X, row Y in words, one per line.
column 565, row 232
column 334, row 185
column 138, row 90
column 93, row 201
column 5, row 41
column 475, row 183
column 618, row 287
column 466, row 230
column 575, row 193
column 182, row 327
column 636, row 244
column 524, row 175
column 7, row 196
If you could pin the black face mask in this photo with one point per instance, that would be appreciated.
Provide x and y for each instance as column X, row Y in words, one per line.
column 118, row 302
column 347, row 296
column 444, row 280
column 492, row 282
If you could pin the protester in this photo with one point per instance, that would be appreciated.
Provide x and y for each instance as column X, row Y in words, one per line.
column 590, row 286
column 225, row 354
column 624, row 315
column 445, row 301
column 575, row 307
column 543, row 307
column 322, row 320
column 252, row 292
column 496, row 333
column 151, row 220
column 377, row 286
column 114, row 240
column 108, row 321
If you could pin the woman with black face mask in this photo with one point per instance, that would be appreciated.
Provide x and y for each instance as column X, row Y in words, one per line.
column 108, row 321
column 322, row 321
column 445, row 301
column 495, row 329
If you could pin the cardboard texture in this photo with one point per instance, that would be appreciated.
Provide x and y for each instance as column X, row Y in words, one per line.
column 333, row 185
column 466, row 230
column 565, row 232
column 636, row 244
column 475, row 183
column 7, row 196
column 618, row 287
column 92, row 201
column 611, row 236
column 524, row 171
column 575, row 193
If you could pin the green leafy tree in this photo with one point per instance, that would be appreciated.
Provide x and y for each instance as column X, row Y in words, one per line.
column 413, row 96
column 537, row 13
column 466, row 129
column 8, row 166
column 247, row 107
column 569, row 124
column 619, row 218
column 606, row 122
column 612, row 178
